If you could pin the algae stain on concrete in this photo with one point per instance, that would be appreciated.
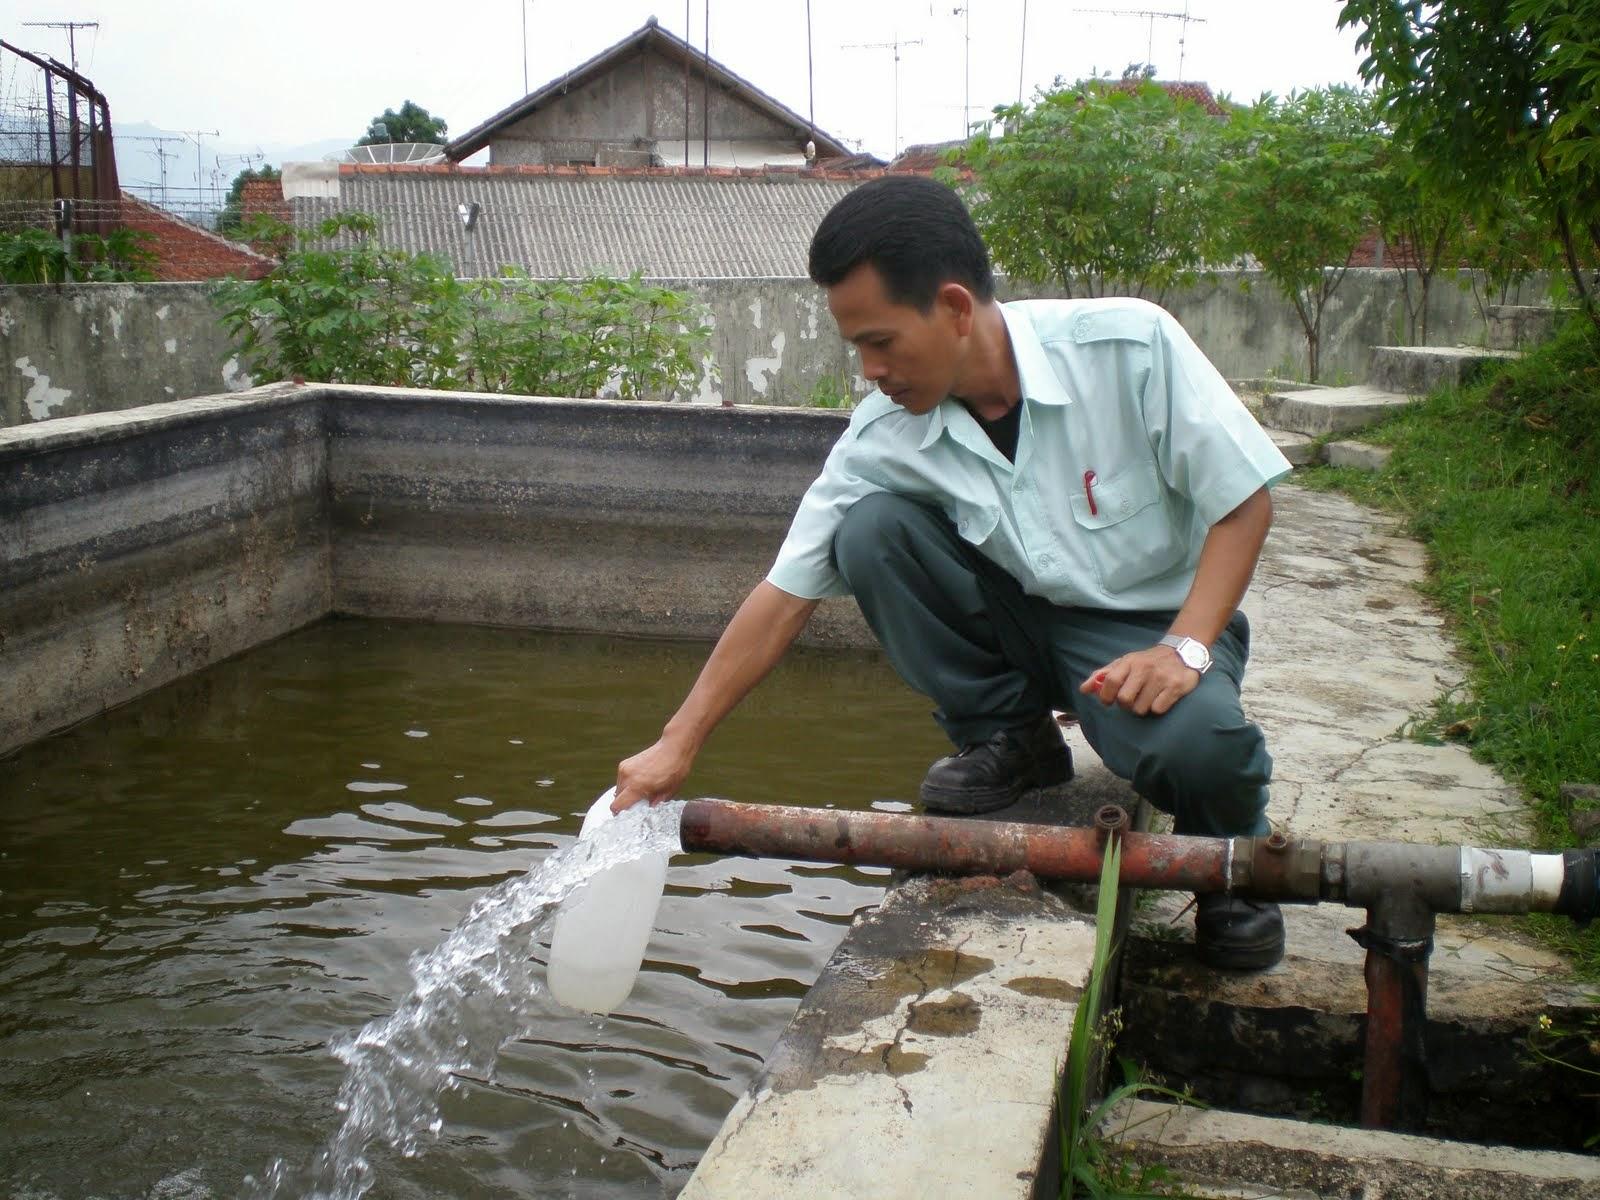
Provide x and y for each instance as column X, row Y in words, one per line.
column 1046, row 988
column 957, row 1015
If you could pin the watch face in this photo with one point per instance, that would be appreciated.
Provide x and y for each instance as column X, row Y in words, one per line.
column 1193, row 655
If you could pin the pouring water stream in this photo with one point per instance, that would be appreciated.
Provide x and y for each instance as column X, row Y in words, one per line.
column 470, row 995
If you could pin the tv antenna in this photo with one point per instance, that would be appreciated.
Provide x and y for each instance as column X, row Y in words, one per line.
column 1153, row 15
column 894, row 44
column 161, row 152
column 72, row 28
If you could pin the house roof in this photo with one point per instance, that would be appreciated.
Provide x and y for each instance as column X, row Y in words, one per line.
column 568, row 222
column 649, row 36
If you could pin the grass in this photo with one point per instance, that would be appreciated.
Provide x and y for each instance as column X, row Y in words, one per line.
column 1091, row 1164
column 1501, row 481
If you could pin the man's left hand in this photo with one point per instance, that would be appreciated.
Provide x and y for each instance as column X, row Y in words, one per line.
column 1146, row 682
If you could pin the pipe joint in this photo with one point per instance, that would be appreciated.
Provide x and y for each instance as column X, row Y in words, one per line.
column 1283, row 869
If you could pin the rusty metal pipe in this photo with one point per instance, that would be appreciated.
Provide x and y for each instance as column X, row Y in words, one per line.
column 1401, row 886
column 953, row 845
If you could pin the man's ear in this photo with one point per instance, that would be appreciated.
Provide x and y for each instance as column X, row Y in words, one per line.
column 959, row 303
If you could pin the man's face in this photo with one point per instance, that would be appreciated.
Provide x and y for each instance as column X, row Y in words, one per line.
column 912, row 357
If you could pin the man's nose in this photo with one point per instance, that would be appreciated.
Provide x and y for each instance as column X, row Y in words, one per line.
column 872, row 368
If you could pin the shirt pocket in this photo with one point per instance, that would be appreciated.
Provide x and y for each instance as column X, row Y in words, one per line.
column 976, row 522
column 1128, row 527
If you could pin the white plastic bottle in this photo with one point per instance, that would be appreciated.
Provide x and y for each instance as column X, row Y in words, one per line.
column 601, row 932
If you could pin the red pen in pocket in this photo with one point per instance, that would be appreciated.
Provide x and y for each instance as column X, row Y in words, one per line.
column 1089, row 478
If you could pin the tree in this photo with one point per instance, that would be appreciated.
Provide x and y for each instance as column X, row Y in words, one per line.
column 1099, row 188
column 1497, row 97
column 232, row 216
column 411, row 124
column 1299, row 192
column 1422, row 232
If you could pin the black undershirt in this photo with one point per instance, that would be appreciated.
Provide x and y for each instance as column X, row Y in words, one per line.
column 1003, row 430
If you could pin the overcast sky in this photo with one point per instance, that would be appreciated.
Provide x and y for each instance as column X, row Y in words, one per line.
column 291, row 72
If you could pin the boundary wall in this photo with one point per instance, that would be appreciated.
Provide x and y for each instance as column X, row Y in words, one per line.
column 85, row 348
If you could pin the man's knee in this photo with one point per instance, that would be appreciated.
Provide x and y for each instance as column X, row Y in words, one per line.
column 869, row 526
column 1205, row 748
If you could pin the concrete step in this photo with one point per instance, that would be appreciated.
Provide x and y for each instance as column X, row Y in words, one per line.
column 1418, row 370
column 1216, row 1154
column 1514, row 326
column 1300, row 450
column 1363, row 456
column 1318, row 411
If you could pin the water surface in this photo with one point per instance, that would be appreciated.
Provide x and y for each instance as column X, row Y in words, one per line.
column 200, row 890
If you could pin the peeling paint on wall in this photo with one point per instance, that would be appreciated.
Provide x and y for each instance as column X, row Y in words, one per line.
column 756, row 370
column 41, row 397
column 235, row 378
column 172, row 345
column 161, row 313
column 755, row 312
column 710, row 391
column 116, row 322
column 7, row 321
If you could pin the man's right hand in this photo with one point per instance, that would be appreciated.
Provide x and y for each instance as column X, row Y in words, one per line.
column 763, row 628
column 654, row 774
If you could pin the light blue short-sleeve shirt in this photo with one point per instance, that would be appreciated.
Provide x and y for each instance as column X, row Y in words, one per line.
column 1130, row 447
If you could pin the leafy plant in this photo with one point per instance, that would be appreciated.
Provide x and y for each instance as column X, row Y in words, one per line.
column 1299, row 187
column 831, row 391
column 341, row 307
column 1098, row 188
column 38, row 256
column 1421, row 227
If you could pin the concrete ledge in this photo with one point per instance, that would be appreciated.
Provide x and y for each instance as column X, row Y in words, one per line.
column 1300, row 450
column 1231, row 1154
column 1418, row 370
column 1317, row 411
column 1514, row 326
column 924, row 1061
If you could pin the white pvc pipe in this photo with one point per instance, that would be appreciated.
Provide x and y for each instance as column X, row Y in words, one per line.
column 1509, row 881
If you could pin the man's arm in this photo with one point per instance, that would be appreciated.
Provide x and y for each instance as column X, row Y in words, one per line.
column 1151, row 681
column 763, row 629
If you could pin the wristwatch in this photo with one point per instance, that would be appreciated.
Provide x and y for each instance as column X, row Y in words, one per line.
column 1193, row 653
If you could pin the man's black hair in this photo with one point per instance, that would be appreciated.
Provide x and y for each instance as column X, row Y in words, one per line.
column 916, row 232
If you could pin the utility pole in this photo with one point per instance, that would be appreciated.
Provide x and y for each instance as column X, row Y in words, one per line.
column 195, row 135
column 1154, row 15
column 894, row 44
column 72, row 28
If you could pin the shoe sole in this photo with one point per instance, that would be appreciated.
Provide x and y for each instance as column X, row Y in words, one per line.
column 966, row 802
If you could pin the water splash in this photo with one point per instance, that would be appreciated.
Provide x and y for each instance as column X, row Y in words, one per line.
column 470, row 995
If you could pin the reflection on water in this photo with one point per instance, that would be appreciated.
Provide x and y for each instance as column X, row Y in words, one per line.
column 201, row 890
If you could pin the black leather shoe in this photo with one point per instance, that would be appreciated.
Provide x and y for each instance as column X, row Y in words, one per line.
column 1238, row 934
column 994, row 773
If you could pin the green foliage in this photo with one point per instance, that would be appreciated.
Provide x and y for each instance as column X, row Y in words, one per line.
column 1504, row 247
column 576, row 337
column 412, row 123
column 1501, row 480
column 832, row 391
column 1498, row 97
column 232, row 217
column 1090, row 1165
column 1299, row 186
column 1099, row 189
column 343, row 308
column 38, row 256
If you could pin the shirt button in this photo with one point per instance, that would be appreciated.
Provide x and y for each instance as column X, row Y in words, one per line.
column 1127, row 506
column 1047, row 561
column 965, row 525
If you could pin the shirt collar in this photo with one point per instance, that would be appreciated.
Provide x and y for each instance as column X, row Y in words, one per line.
column 1037, row 376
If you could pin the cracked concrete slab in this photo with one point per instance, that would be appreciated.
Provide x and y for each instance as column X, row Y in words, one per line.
column 924, row 1061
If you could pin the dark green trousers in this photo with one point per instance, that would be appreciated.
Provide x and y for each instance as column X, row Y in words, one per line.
column 962, row 632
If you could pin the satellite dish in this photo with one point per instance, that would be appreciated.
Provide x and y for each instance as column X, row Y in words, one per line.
column 389, row 153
